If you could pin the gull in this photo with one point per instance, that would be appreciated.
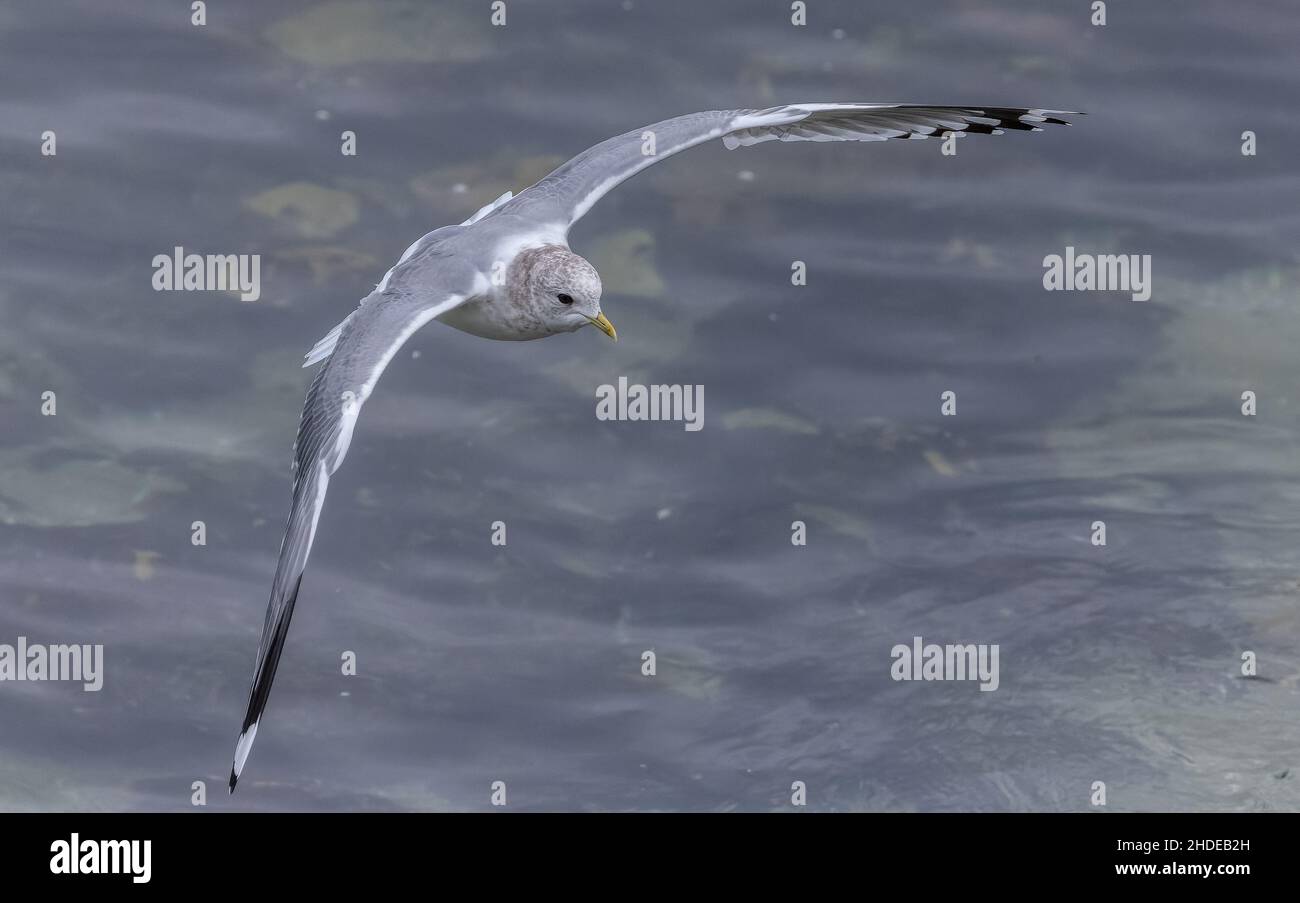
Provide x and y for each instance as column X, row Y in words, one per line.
column 507, row 273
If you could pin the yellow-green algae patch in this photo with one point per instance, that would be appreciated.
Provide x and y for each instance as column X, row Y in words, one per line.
column 307, row 209
column 347, row 32
column 768, row 419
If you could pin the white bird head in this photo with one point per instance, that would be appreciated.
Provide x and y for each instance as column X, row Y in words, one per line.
column 561, row 289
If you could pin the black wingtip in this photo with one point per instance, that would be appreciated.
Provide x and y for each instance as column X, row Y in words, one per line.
column 261, row 690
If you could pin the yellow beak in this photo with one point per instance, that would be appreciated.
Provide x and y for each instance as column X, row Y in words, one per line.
column 604, row 326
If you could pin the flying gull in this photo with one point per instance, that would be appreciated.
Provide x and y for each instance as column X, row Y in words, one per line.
column 507, row 273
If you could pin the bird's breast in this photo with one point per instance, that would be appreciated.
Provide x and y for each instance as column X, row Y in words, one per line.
column 492, row 317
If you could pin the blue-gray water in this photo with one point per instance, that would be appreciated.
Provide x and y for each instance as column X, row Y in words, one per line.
column 522, row 664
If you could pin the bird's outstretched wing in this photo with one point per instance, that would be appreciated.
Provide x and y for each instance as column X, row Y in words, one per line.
column 570, row 191
column 355, row 354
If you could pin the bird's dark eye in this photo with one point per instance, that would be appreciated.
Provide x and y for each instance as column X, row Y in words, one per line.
column 564, row 299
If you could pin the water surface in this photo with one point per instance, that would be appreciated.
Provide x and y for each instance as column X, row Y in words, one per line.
column 479, row 663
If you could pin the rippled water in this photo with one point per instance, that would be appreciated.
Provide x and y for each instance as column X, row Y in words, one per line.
column 479, row 663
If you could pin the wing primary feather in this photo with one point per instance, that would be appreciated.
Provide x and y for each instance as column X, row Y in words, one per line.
column 569, row 192
column 358, row 351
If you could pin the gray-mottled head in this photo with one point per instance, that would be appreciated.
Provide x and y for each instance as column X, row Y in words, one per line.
column 559, row 289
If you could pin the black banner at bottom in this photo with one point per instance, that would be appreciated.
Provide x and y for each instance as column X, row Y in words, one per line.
column 225, row 851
